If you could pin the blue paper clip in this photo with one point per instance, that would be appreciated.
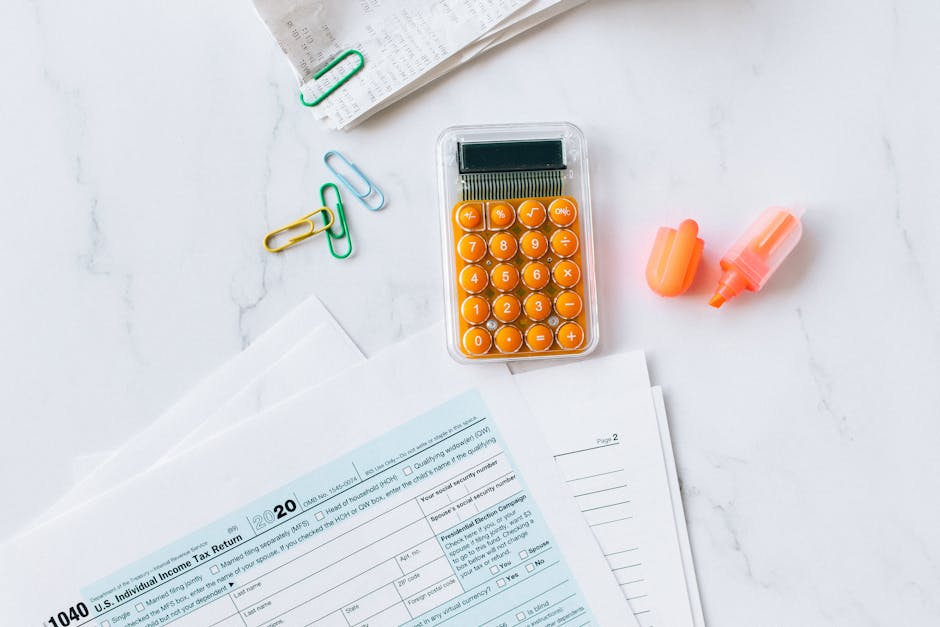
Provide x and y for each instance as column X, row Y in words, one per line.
column 371, row 189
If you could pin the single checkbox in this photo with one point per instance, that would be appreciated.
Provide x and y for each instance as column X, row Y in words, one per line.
column 319, row 516
column 214, row 570
column 520, row 616
column 139, row 607
column 500, row 582
column 523, row 554
column 407, row 470
column 494, row 569
column 104, row 623
column 530, row 567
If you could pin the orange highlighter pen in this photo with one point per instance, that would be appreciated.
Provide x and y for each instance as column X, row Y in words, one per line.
column 758, row 253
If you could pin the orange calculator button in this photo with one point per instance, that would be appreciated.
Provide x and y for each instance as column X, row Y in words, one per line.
column 566, row 273
column 475, row 309
column 471, row 248
column 470, row 216
column 503, row 246
column 477, row 341
column 501, row 215
column 568, row 304
column 473, row 279
column 508, row 339
column 570, row 335
column 535, row 275
column 506, row 308
column 564, row 242
column 537, row 306
column 533, row 244
column 505, row 277
column 532, row 214
column 562, row 212
column 538, row 337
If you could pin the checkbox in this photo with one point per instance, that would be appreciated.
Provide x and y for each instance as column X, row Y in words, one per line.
column 500, row 582
column 139, row 607
column 407, row 470
column 104, row 623
column 523, row 554
column 520, row 616
column 214, row 570
column 319, row 516
column 494, row 569
column 530, row 567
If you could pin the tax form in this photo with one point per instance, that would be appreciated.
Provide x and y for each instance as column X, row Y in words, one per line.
column 601, row 424
column 430, row 500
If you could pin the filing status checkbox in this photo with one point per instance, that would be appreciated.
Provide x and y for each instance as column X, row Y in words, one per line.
column 407, row 470
column 214, row 570
column 319, row 516
column 139, row 607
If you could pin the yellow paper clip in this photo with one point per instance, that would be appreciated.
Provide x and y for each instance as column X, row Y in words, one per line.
column 307, row 223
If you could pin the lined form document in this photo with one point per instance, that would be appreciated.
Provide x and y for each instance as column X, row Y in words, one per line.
column 598, row 479
column 601, row 424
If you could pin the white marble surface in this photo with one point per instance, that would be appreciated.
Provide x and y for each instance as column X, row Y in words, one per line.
column 145, row 147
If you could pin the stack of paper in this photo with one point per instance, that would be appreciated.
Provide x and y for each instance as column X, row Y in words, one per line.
column 274, row 495
column 406, row 44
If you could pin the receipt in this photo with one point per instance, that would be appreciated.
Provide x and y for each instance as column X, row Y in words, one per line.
column 406, row 43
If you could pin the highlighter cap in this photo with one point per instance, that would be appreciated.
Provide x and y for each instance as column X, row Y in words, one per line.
column 764, row 245
column 674, row 259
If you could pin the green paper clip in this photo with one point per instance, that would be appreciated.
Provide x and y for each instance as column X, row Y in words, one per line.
column 329, row 66
column 340, row 220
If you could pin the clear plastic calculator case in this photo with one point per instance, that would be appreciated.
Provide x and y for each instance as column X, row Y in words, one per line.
column 517, row 242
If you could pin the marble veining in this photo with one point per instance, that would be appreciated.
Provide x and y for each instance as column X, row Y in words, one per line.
column 148, row 147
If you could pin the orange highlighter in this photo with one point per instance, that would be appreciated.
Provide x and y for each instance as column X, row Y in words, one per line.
column 758, row 253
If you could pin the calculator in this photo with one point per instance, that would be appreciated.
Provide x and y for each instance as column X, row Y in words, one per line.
column 517, row 242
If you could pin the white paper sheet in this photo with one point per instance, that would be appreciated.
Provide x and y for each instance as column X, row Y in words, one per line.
column 153, row 442
column 323, row 354
column 600, row 422
column 682, row 531
column 94, row 554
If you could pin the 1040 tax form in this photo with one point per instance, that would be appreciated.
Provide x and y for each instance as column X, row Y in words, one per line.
column 429, row 500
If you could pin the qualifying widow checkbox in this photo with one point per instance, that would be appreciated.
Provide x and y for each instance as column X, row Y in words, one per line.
column 407, row 470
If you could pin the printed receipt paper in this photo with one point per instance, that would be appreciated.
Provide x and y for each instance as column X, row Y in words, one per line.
column 417, row 492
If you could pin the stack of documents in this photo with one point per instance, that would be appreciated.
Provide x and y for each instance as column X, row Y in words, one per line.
column 405, row 43
column 303, row 484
